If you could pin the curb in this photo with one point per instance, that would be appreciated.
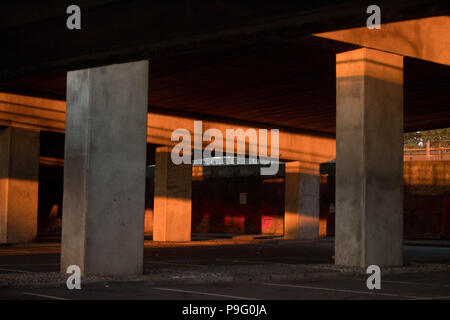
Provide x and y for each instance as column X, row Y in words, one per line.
column 302, row 272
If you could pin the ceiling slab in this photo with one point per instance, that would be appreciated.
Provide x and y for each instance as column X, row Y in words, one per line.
column 427, row 38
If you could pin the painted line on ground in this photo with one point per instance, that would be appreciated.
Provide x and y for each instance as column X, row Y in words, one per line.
column 29, row 265
column 174, row 263
column 14, row 270
column 417, row 283
column 238, row 260
column 205, row 293
column 344, row 290
column 271, row 263
column 23, row 253
column 251, row 261
column 44, row 296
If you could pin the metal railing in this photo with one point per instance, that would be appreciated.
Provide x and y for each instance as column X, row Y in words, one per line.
column 428, row 153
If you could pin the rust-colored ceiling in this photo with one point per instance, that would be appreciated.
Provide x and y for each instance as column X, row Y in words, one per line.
column 274, row 83
column 240, row 61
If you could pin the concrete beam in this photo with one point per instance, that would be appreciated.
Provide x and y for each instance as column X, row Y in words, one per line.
column 47, row 114
column 19, row 175
column 104, row 173
column 292, row 146
column 32, row 113
column 302, row 196
column 426, row 39
column 173, row 198
column 369, row 163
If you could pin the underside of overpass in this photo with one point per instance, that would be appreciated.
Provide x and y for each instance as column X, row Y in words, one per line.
column 137, row 71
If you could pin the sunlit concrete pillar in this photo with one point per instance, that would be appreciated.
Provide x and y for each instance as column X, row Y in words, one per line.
column 19, row 175
column 173, row 193
column 302, row 188
column 104, row 169
column 369, row 158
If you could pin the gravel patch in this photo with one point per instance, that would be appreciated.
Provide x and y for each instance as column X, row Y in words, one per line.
column 216, row 274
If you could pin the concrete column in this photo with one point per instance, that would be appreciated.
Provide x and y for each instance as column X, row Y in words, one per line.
column 369, row 158
column 104, row 169
column 19, row 179
column 302, row 188
column 173, row 197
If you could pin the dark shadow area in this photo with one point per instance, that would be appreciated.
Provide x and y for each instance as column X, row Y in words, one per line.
column 426, row 207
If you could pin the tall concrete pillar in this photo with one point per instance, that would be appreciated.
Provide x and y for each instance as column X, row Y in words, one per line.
column 302, row 188
column 173, row 198
column 104, row 169
column 19, row 175
column 369, row 158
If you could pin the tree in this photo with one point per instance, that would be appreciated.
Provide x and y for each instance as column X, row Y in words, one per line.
column 419, row 138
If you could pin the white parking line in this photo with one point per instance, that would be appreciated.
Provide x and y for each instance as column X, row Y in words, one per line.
column 44, row 296
column 29, row 265
column 418, row 283
column 254, row 262
column 238, row 261
column 14, row 270
column 343, row 290
column 267, row 261
column 205, row 293
column 173, row 263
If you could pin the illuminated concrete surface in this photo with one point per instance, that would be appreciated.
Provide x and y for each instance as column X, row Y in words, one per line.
column 50, row 115
column 428, row 173
column 173, row 196
column 19, row 171
column 104, row 174
column 427, row 38
column 302, row 191
column 369, row 159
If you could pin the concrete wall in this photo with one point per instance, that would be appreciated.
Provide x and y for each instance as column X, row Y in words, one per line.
column 237, row 199
column 218, row 201
column 427, row 199
column 238, row 205
column 427, row 177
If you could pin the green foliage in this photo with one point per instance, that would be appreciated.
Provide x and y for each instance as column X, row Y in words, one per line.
column 419, row 138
